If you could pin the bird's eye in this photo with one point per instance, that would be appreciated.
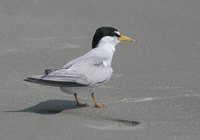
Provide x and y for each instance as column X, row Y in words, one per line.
column 116, row 33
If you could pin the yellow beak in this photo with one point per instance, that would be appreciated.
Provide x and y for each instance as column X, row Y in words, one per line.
column 126, row 38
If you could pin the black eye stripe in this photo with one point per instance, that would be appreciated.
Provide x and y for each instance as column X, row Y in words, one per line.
column 117, row 35
column 114, row 34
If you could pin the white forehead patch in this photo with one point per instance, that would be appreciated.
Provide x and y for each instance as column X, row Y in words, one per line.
column 117, row 32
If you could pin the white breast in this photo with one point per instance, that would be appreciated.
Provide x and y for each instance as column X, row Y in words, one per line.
column 72, row 90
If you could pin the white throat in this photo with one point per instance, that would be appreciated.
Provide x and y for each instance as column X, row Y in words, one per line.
column 106, row 47
column 108, row 43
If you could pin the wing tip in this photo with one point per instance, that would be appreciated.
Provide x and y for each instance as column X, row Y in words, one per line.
column 39, row 80
column 32, row 80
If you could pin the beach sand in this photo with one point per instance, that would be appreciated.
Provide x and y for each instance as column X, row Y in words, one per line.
column 154, row 93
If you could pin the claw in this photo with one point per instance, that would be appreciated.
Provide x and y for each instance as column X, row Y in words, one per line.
column 81, row 104
column 78, row 104
column 96, row 104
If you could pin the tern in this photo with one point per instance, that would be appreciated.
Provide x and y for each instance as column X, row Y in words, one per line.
column 88, row 71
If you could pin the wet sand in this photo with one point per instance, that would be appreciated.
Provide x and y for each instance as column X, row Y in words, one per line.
column 154, row 93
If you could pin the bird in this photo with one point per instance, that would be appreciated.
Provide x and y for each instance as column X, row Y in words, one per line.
column 87, row 72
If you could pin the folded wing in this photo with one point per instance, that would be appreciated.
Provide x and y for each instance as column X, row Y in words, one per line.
column 79, row 72
column 59, row 80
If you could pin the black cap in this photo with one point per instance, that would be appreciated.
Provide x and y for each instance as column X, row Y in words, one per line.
column 102, row 32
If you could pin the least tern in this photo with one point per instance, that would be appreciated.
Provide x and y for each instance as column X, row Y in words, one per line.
column 88, row 71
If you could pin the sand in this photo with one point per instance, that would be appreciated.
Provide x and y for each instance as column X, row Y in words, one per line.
column 154, row 93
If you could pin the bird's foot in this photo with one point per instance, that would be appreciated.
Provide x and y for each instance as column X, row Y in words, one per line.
column 99, row 105
column 81, row 104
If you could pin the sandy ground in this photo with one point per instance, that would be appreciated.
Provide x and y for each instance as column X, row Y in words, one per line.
column 154, row 93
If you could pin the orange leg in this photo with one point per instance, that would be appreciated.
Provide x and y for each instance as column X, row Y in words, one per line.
column 96, row 104
column 77, row 101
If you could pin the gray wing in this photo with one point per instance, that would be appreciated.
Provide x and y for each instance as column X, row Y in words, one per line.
column 58, row 80
column 84, row 72
column 87, row 71
column 90, row 58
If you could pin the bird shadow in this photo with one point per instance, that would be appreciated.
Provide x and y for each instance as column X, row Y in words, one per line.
column 50, row 107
